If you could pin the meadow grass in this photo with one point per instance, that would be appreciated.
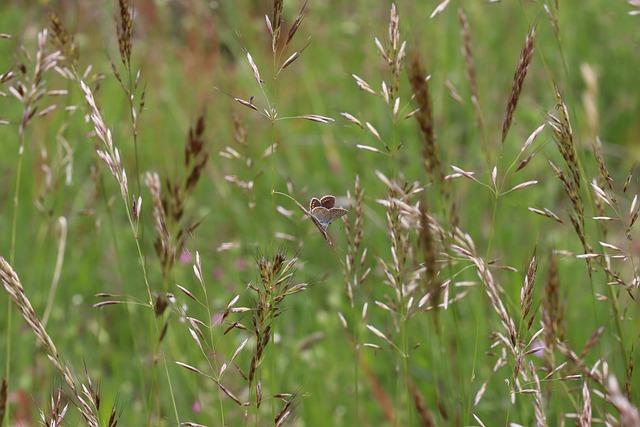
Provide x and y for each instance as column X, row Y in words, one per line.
column 158, row 242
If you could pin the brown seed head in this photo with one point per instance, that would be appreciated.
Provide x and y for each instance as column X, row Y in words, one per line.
column 518, row 79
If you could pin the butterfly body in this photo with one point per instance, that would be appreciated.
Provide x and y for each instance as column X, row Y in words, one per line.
column 324, row 210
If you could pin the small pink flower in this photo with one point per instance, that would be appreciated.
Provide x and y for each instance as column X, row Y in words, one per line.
column 217, row 318
column 540, row 345
column 185, row 257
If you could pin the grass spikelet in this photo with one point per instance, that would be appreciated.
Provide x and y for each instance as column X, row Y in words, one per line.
column 439, row 9
column 56, row 412
column 394, row 27
column 585, row 416
column 254, row 68
column 276, row 23
column 526, row 54
column 363, row 85
column 296, row 24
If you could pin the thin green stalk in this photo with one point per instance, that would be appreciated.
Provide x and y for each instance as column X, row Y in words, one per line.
column 12, row 251
column 405, row 368
column 356, row 357
column 215, row 368
column 478, row 319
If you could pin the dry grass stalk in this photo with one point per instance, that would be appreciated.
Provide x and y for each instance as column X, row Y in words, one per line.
column 404, row 279
column 31, row 89
column 276, row 283
column 552, row 312
column 467, row 54
column 526, row 295
column 491, row 288
column 88, row 403
column 425, row 416
column 125, row 32
column 424, row 116
column 563, row 136
column 431, row 282
column 109, row 152
column 518, row 79
column 538, row 405
column 395, row 53
column 276, row 23
column 354, row 272
column 291, row 403
column 595, row 374
column 629, row 376
column 585, row 416
column 196, row 155
column 168, row 207
column 400, row 249
column 164, row 242
column 296, row 24
column 604, row 181
column 63, row 39
column 591, row 342
column 3, row 399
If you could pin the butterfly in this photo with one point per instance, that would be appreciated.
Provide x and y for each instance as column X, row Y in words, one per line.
column 324, row 211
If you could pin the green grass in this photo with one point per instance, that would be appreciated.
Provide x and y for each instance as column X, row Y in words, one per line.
column 190, row 58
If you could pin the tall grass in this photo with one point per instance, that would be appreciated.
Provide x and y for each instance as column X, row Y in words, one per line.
column 159, row 246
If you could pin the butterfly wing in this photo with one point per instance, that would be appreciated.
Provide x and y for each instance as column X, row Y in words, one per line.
column 327, row 216
column 322, row 214
column 328, row 201
column 335, row 213
column 314, row 203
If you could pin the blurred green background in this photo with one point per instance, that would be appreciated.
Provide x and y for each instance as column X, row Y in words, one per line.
column 192, row 60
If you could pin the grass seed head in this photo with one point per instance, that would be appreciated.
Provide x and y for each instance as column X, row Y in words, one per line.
column 526, row 54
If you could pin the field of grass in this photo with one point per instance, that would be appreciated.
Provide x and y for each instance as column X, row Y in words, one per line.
column 161, row 264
